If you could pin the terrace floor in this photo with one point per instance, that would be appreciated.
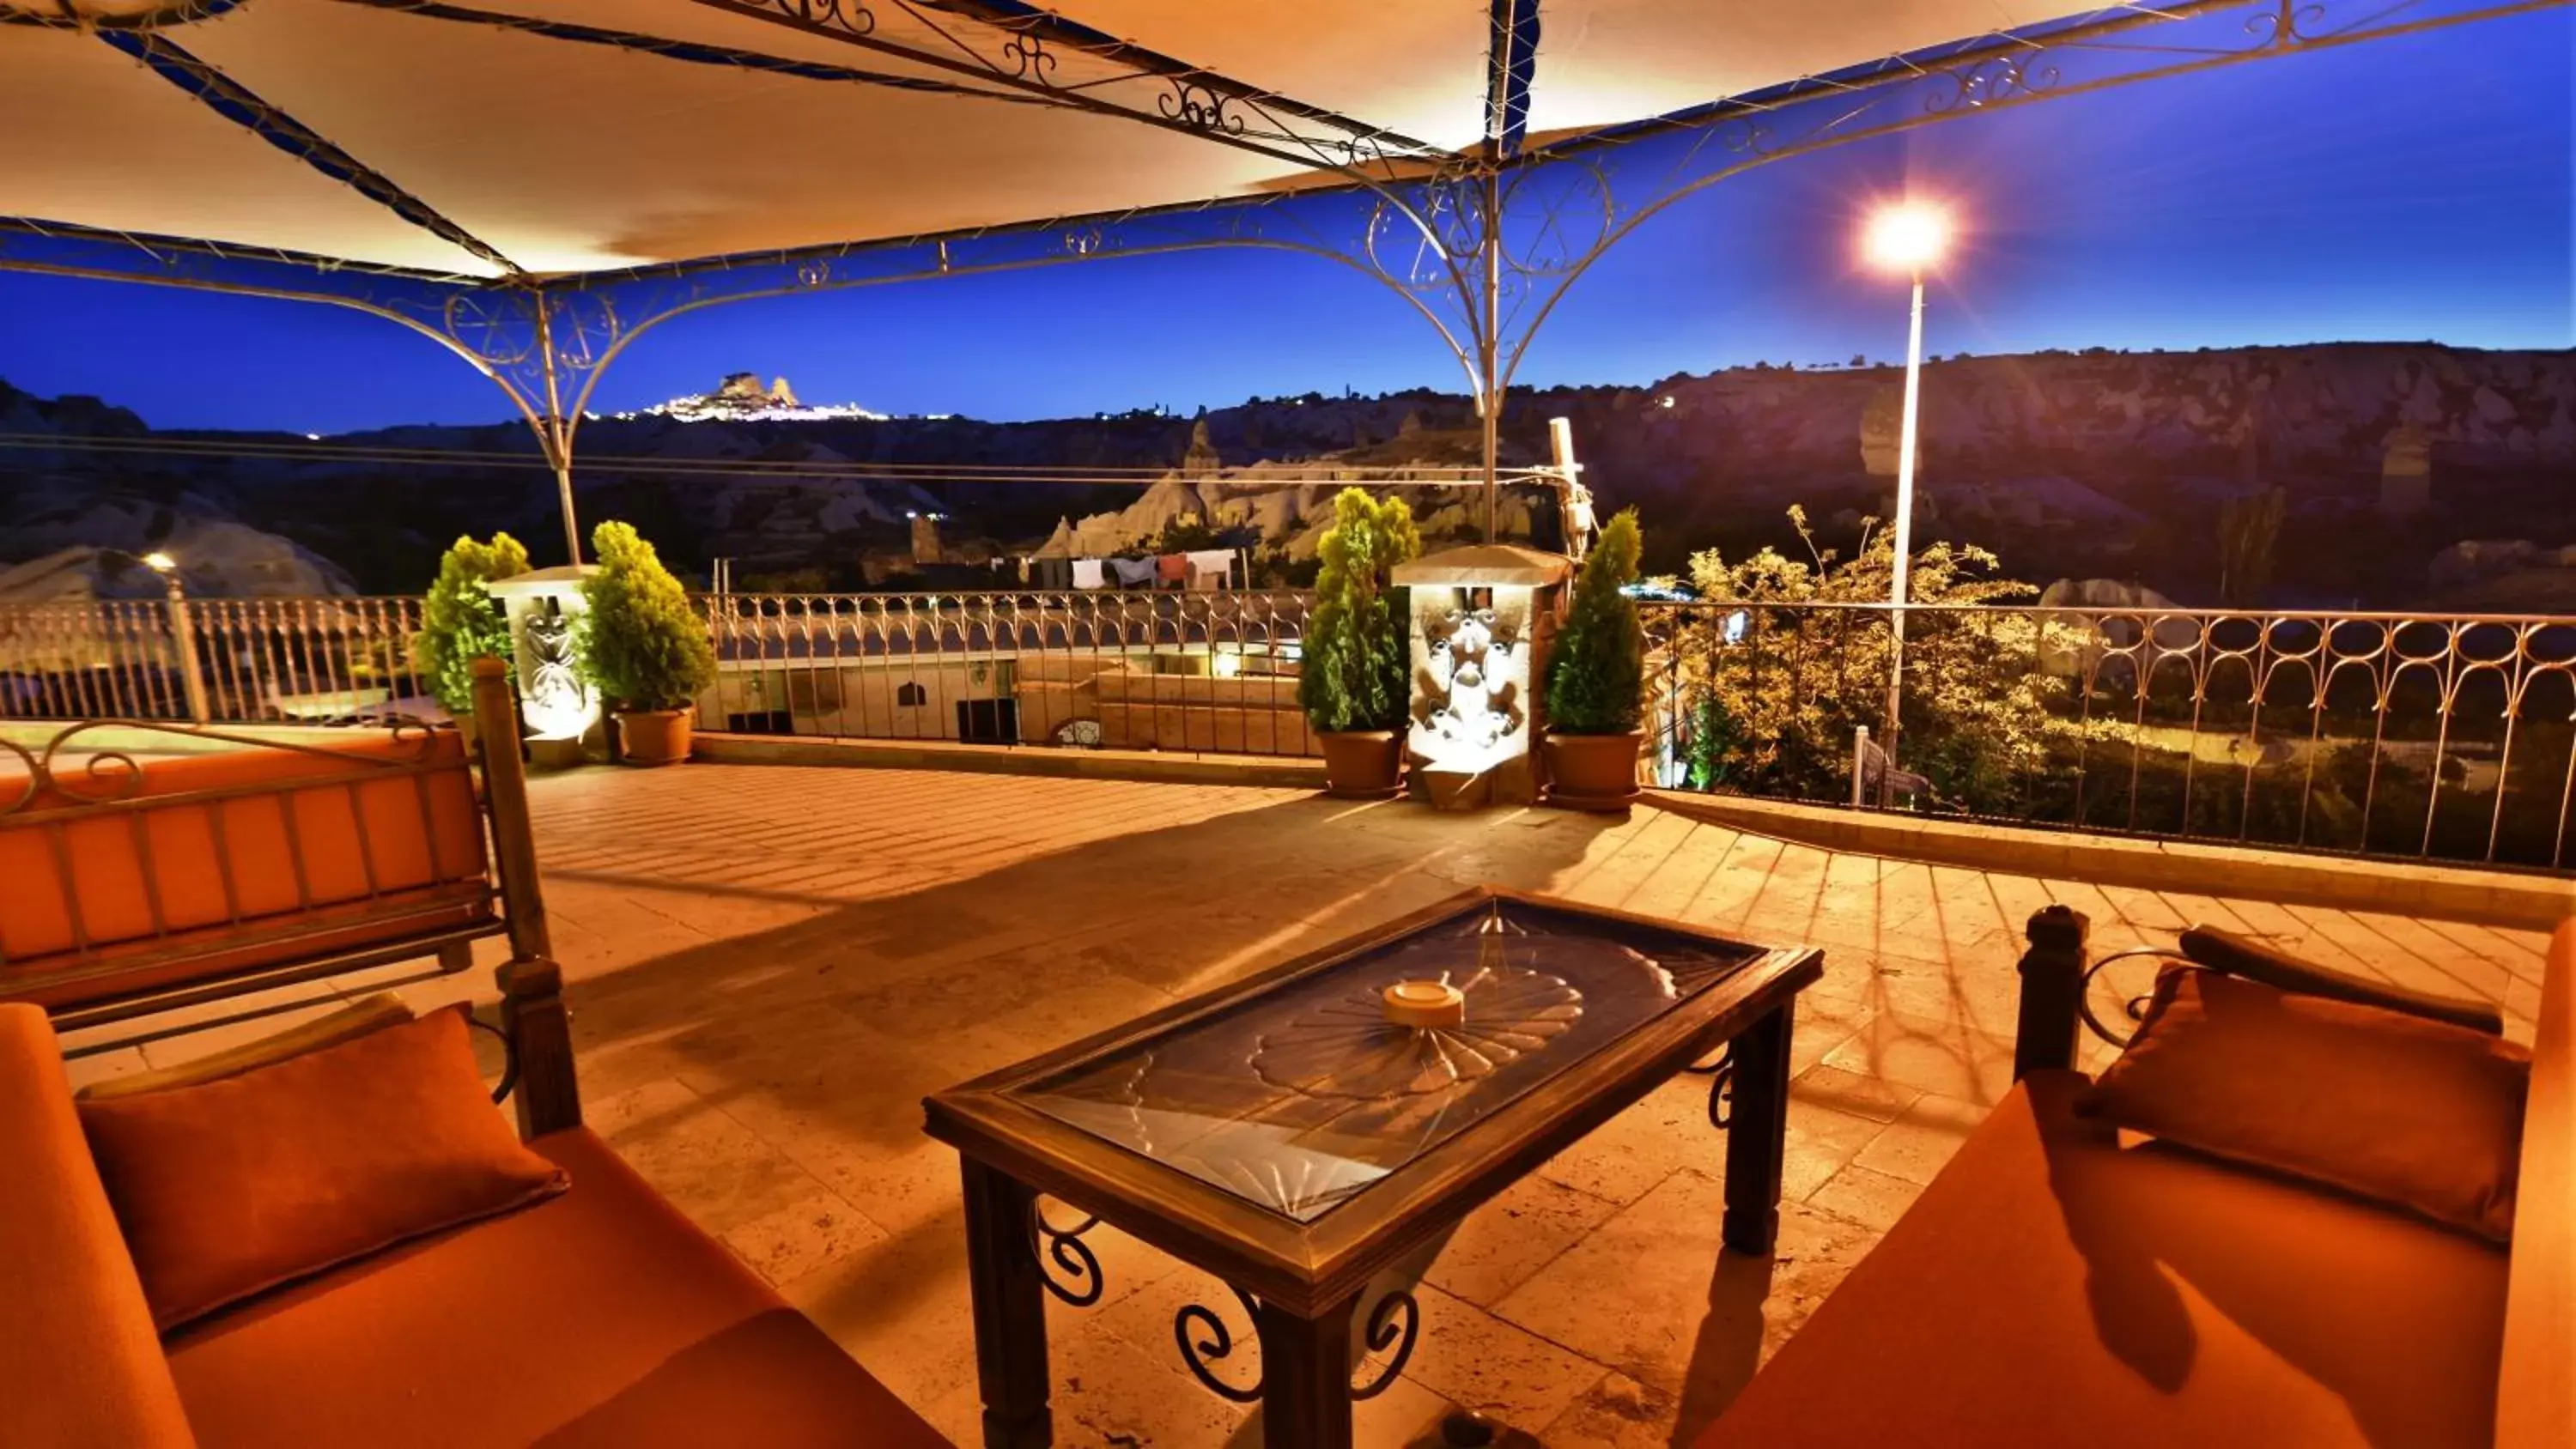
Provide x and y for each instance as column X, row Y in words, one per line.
column 772, row 965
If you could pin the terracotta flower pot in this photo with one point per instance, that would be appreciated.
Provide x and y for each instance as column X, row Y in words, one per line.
column 1362, row 764
column 654, row 736
column 1592, row 772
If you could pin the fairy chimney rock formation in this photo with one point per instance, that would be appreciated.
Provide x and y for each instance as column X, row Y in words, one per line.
column 1201, row 461
column 925, row 539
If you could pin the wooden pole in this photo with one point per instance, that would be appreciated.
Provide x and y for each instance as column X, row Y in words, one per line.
column 2052, row 992
column 532, row 1009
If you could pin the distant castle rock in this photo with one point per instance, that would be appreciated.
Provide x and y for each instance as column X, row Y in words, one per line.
column 744, row 389
column 741, row 398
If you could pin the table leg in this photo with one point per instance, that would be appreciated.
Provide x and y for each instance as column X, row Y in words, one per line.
column 1010, row 1309
column 1757, row 1134
column 1305, row 1377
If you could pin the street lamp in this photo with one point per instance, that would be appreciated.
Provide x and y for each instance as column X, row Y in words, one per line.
column 1905, row 237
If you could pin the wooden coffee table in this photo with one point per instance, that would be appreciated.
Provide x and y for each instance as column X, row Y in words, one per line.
column 1284, row 1135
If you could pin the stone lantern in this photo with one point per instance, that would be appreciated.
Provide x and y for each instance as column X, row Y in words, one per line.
column 1482, row 620
column 559, row 709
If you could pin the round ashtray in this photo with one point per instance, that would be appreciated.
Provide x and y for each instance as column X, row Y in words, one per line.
column 1425, row 1003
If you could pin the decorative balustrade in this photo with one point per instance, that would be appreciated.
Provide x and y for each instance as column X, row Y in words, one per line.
column 2439, row 737
column 2436, row 737
column 1142, row 669
column 232, row 661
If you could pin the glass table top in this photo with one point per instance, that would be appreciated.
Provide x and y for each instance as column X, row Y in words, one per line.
column 1300, row 1097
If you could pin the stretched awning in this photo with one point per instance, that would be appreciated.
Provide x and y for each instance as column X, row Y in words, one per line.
column 537, row 138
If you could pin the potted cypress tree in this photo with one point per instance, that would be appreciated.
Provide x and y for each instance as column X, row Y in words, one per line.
column 645, row 648
column 461, row 622
column 1352, row 682
column 1596, row 680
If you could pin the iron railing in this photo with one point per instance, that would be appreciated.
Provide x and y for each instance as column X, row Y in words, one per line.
column 1148, row 669
column 228, row 661
column 2432, row 737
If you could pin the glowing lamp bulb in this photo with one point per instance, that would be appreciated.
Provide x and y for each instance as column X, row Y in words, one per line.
column 1907, row 237
column 159, row 563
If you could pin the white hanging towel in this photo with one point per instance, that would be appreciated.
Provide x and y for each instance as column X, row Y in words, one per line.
column 1087, row 574
column 1218, row 562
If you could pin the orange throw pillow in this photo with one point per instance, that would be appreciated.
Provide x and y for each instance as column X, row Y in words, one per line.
column 235, row 1186
column 2417, row 1114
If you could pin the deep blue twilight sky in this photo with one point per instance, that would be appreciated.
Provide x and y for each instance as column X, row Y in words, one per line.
column 2408, row 189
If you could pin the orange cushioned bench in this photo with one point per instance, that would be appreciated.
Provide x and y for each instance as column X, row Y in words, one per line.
column 2054, row 1286
column 595, row 1316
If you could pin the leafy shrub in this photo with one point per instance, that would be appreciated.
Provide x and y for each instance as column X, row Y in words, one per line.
column 1353, row 676
column 1595, row 679
column 461, row 622
column 1984, row 714
column 643, row 645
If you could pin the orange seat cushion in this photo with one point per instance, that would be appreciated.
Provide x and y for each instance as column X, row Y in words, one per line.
column 216, row 856
column 230, row 1187
column 80, row 1367
column 2422, row 1115
column 598, row 1318
column 2053, row 1287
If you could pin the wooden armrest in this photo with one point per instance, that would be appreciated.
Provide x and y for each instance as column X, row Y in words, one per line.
column 2536, row 1395
column 2236, row 955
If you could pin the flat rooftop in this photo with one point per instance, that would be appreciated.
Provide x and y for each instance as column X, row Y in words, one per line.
column 769, row 966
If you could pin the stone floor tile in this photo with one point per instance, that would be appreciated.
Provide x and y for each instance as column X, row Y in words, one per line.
column 1852, row 1093
column 1918, row 1144
column 1615, row 1413
column 1502, row 1244
column 790, row 1242
column 1875, row 1200
column 1929, row 1054
column 1821, row 1142
column 1626, row 1157
column 1479, row 1362
column 1650, row 1293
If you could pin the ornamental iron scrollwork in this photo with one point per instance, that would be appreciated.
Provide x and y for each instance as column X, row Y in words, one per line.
column 1385, row 1333
column 2133, row 1006
column 509, row 1057
column 1394, row 1326
column 1721, row 1086
column 1082, row 1283
column 1196, row 1353
column 1203, row 108
column 68, row 772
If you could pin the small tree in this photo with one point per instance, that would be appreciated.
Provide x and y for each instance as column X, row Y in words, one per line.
column 644, row 646
column 461, row 622
column 1596, row 681
column 1353, row 676
column 1795, row 669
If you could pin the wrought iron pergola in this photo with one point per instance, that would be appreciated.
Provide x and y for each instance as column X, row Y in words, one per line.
column 1483, row 242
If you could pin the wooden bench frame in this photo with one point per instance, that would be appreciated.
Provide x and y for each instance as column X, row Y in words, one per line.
column 533, row 1025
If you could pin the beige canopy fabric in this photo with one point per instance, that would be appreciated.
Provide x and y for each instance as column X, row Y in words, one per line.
column 546, row 147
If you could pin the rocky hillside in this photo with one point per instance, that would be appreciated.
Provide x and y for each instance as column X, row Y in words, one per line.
column 2100, row 464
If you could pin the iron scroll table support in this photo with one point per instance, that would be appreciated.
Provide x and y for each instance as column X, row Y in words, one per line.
column 1305, row 1387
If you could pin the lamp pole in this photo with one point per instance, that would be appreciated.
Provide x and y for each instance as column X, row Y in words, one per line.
column 1907, row 237
column 1900, row 578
